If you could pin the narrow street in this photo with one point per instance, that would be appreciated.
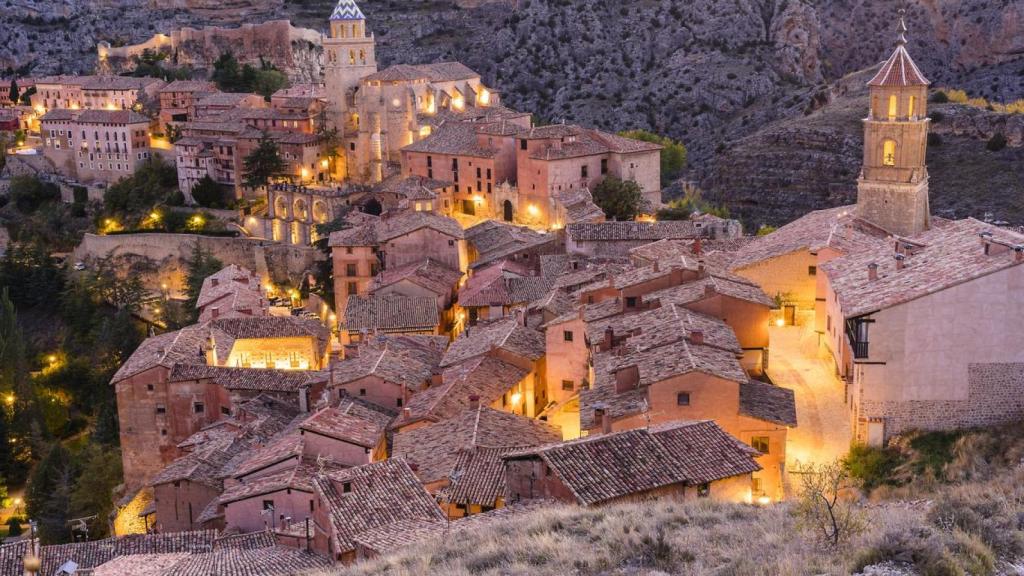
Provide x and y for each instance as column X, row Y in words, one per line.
column 823, row 427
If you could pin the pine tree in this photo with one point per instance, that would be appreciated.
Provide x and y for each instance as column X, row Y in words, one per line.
column 15, row 92
column 48, row 495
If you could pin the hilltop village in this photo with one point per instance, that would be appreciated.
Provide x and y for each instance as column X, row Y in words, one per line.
column 495, row 344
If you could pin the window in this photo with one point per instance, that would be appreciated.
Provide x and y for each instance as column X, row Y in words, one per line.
column 346, row 487
column 893, row 107
column 311, row 506
column 911, row 105
column 352, row 289
column 760, row 443
column 268, row 504
column 160, row 409
column 889, row 153
column 451, row 242
column 567, row 335
column 362, row 391
column 631, row 302
column 812, row 270
column 149, row 387
column 568, row 385
column 198, row 407
column 522, row 144
column 583, row 171
column 350, row 269
column 683, row 399
column 225, row 410
column 756, row 485
column 704, row 490
column 348, row 250
column 163, row 432
column 399, row 403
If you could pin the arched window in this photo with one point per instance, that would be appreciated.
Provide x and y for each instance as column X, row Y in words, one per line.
column 362, row 56
column 889, row 153
column 355, row 30
column 352, row 57
column 893, row 107
column 911, row 107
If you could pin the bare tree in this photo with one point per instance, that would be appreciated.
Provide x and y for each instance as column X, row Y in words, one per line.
column 826, row 506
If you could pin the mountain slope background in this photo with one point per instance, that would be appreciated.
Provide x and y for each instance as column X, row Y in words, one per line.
column 719, row 75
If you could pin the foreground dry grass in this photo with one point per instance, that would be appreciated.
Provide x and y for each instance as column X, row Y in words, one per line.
column 967, row 529
column 643, row 538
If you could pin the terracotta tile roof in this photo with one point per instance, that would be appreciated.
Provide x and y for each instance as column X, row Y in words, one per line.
column 507, row 333
column 204, row 464
column 189, row 86
column 454, row 138
column 429, row 274
column 186, row 346
column 654, row 365
column 704, row 451
column 11, row 556
column 767, row 402
column 111, row 117
column 285, row 446
column 435, row 448
column 297, row 477
column 664, row 325
column 227, row 279
column 404, row 359
column 899, row 70
column 139, row 565
column 948, row 254
column 664, row 249
column 92, row 554
column 367, row 497
column 448, row 71
column 390, row 312
column 605, row 467
column 383, row 230
column 397, row 73
column 349, row 422
column 412, row 187
column 478, row 476
column 835, row 227
column 621, row 231
column 483, row 376
column 223, row 99
column 492, row 287
column 271, row 561
column 577, row 141
column 716, row 283
column 257, row 379
column 249, row 541
column 491, row 236
column 259, row 327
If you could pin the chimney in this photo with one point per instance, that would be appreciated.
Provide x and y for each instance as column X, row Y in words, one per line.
column 304, row 399
column 407, row 413
column 697, row 337
column 709, row 290
column 435, row 377
column 872, row 272
column 627, row 378
column 656, row 267
column 697, row 246
column 900, row 261
column 701, row 269
column 601, row 417
column 414, row 466
column 474, row 402
column 215, row 312
column 609, row 338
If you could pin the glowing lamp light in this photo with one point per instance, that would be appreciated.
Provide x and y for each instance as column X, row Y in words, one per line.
column 532, row 210
column 333, row 318
column 154, row 215
column 324, row 163
column 197, row 220
column 9, row 399
column 780, row 322
column 52, row 359
column 485, row 97
column 478, row 199
column 304, row 173
column 424, row 131
column 764, row 500
column 516, row 398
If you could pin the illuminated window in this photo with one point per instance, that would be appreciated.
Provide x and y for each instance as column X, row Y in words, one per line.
column 892, row 107
column 760, row 443
column 912, row 106
column 889, row 152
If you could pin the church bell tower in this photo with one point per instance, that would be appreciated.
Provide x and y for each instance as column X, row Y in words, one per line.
column 892, row 191
column 348, row 58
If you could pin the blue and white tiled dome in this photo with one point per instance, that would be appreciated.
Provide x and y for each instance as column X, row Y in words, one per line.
column 347, row 10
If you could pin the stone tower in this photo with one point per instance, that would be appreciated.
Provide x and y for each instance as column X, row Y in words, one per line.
column 892, row 191
column 348, row 57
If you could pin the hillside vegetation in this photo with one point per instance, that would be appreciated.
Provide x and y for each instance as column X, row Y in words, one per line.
column 952, row 505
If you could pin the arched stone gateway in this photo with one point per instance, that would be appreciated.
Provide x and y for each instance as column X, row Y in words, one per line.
column 507, row 212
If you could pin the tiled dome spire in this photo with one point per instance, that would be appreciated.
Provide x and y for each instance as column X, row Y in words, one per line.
column 899, row 69
column 347, row 10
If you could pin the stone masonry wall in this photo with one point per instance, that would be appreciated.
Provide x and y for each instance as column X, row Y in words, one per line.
column 995, row 396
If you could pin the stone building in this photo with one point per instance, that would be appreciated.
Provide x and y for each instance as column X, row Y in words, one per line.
column 294, row 210
column 178, row 99
column 92, row 92
column 96, row 146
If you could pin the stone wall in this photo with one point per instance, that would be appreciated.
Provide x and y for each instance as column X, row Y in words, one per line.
column 995, row 395
column 160, row 258
column 296, row 51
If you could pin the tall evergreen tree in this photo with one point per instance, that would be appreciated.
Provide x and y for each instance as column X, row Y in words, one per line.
column 263, row 163
column 15, row 93
column 48, row 495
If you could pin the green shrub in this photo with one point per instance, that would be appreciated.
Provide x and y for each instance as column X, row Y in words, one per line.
column 14, row 526
column 872, row 466
column 940, row 97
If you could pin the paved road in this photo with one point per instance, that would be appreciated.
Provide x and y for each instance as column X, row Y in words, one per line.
column 823, row 426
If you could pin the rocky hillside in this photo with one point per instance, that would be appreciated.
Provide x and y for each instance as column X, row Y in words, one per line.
column 707, row 72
